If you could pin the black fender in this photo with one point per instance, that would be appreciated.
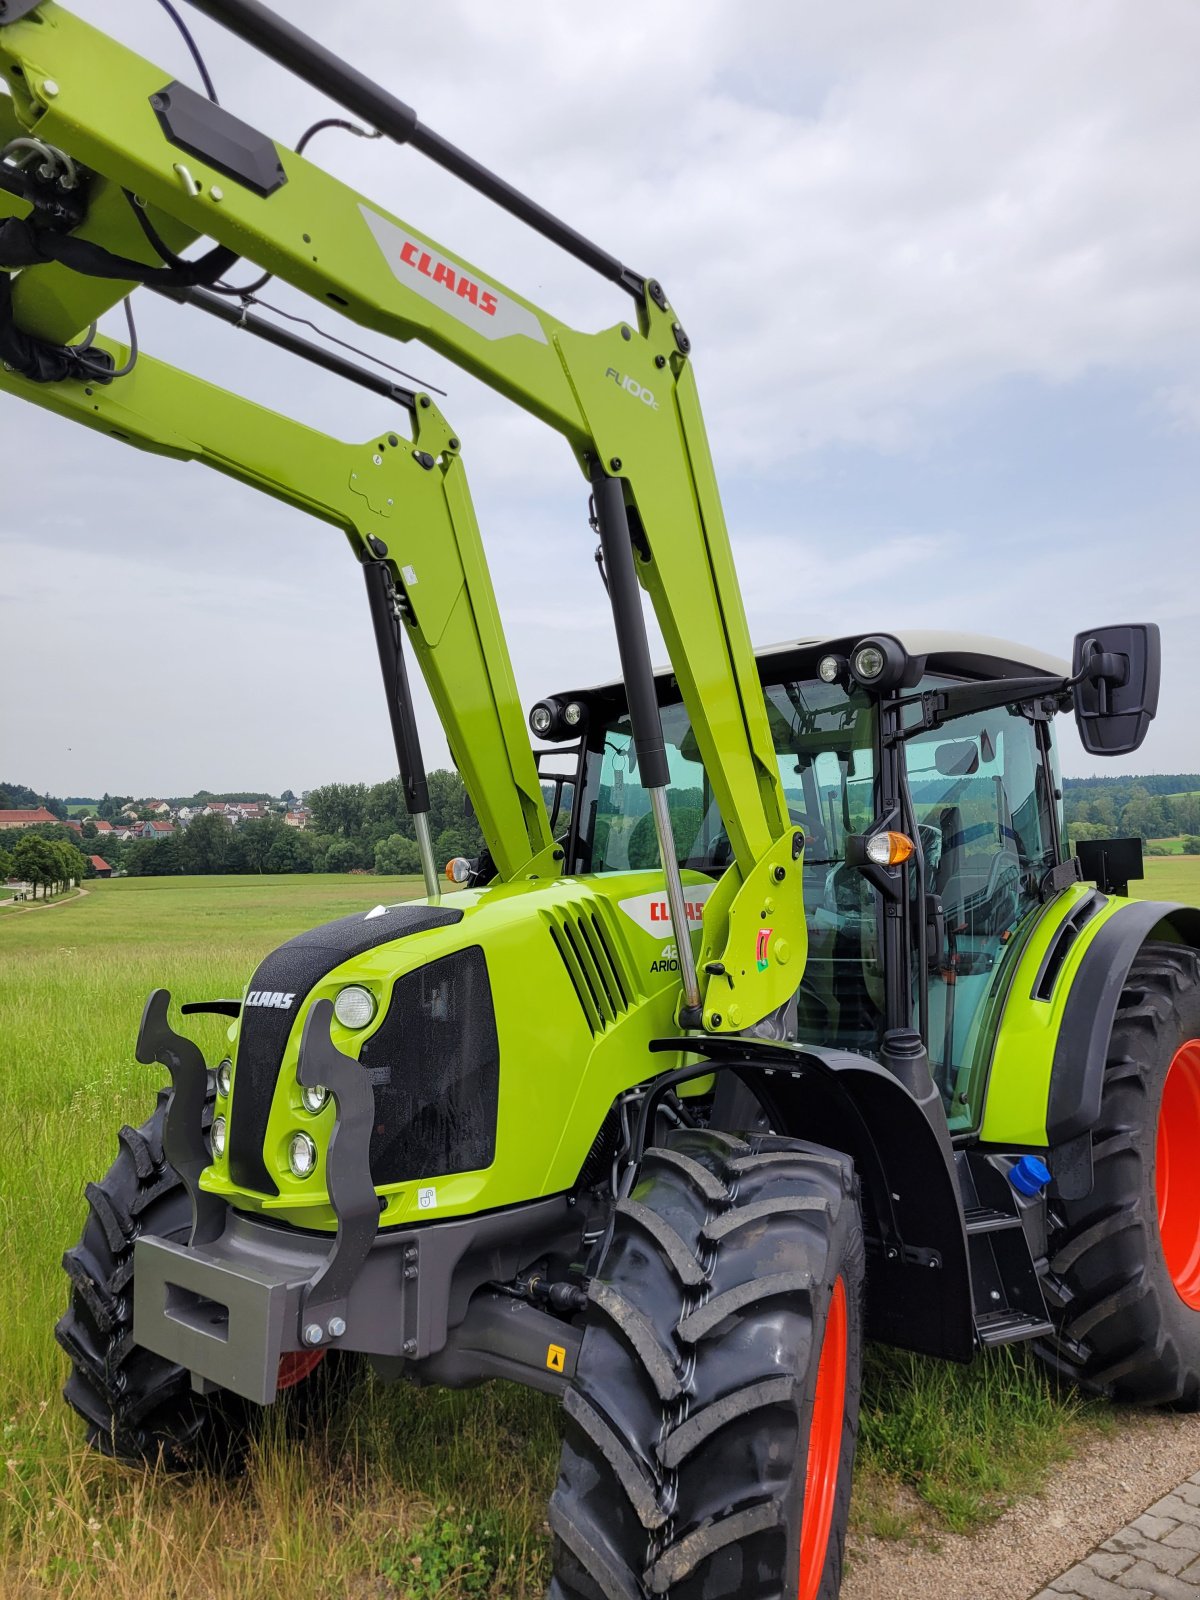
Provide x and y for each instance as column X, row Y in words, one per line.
column 918, row 1277
column 1081, row 1051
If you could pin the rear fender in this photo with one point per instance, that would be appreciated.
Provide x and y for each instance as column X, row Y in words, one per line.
column 1081, row 1050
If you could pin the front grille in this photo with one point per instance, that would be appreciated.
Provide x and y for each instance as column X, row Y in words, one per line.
column 264, row 1031
column 591, row 954
column 435, row 1064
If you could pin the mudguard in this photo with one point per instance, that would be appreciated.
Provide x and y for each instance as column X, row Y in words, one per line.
column 1081, row 1050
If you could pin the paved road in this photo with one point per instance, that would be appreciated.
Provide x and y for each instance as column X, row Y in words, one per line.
column 1157, row 1557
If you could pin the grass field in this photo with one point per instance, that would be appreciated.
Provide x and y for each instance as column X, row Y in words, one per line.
column 408, row 1492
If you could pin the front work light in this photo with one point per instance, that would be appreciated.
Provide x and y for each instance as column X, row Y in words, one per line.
column 868, row 661
column 302, row 1155
column 541, row 719
column 224, row 1077
column 314, row 1097
column 829, row 668
column 879, row 663
column 218, row 1136
column 354, row 1007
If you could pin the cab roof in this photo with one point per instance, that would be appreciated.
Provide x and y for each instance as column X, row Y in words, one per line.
column 971, row 655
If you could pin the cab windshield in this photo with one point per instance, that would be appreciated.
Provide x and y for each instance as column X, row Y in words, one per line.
column 824, row 738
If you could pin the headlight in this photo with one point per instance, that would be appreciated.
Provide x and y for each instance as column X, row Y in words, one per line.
column 354, row 1006
column 829, row 669
column 314, row 1097
column 218, row 1136
column 302, row 1155
column 541, row 720
column 224, row 1077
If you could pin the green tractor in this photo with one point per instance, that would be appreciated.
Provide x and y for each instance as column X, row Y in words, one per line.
column 775, row 1013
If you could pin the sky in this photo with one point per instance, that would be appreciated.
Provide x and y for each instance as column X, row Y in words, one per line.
column 940, row 265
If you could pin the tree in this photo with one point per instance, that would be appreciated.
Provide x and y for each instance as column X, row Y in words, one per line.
column 6, row 865
column 289, row 797
column 344, row 855
column 397, row 854
column 258, row 840
column 1191, row 845
column 34, row 860
column 206, row 845
column 339, row 808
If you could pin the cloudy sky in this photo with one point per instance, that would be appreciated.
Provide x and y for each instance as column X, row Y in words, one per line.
column 941, row 268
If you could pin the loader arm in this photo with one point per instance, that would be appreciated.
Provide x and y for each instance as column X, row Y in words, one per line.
column 403, row 503
column 624, row 399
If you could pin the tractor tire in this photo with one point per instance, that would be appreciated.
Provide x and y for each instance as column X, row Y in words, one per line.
column 711, row 1423
column 138, row 1406
column 1124, row 1263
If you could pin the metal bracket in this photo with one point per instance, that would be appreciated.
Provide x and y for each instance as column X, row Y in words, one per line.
column 183, row 1131
column 347, row 1174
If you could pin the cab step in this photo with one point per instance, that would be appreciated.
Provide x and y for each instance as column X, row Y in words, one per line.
column 1010, row 1327
column 1005, row 1285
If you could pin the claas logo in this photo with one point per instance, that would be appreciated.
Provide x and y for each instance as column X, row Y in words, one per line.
column 660, row 911
column 452, row 279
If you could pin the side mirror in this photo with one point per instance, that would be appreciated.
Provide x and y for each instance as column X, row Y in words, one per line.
column 1117, row 696
column 957, row 758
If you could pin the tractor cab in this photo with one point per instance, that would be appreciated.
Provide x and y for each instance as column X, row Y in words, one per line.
column 929, row 850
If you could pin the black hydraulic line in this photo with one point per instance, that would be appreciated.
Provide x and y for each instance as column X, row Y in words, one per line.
column 225, row 311
column 287, row 44
column 630, row 623
column 389, row 642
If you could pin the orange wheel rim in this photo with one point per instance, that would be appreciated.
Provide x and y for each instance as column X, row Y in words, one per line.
column 297, row 1365
column 824, row 1445
column 1177, row 1172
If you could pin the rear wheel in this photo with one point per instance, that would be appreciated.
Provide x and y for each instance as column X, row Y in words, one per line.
column 138, row 1406
column 1126, row 1260
column 712, row 1420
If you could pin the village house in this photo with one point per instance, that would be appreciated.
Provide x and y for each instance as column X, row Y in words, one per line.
column 102, row 868
column 26, row 817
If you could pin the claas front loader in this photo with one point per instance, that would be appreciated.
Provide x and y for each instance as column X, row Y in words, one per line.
column 790, row 1021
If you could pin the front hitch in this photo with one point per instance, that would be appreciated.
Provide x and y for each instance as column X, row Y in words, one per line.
column 225, row 1312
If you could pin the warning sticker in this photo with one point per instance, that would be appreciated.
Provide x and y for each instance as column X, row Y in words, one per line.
column 556, row 1358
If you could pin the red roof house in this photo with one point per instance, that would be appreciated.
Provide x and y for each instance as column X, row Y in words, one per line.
column 26, row 818
column 103, row 870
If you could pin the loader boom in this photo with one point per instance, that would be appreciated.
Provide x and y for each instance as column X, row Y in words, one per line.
column 625, row 400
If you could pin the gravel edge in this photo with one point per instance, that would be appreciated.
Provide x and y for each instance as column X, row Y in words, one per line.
column 1109, row 1483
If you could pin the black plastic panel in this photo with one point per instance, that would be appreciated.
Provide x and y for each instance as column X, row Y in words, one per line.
column 294, row 969
column 202, row 128
column 435, row 1064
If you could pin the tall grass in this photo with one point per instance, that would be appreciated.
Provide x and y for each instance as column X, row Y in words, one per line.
column 407, row 1491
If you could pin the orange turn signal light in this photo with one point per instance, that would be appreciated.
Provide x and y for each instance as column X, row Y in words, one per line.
column 889, row 849
column 458, row 869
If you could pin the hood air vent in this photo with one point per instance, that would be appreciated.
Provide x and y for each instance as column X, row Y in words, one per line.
column 590, row 952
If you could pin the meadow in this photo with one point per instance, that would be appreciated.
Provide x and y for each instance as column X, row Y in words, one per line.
column 405, row 1492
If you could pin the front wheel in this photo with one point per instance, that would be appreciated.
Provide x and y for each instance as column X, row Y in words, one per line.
column 712, row 1419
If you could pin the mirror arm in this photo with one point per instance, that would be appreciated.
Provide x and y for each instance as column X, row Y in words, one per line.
column 938, row 706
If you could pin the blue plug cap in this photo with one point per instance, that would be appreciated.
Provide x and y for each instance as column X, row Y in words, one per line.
column 1029, row 1176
